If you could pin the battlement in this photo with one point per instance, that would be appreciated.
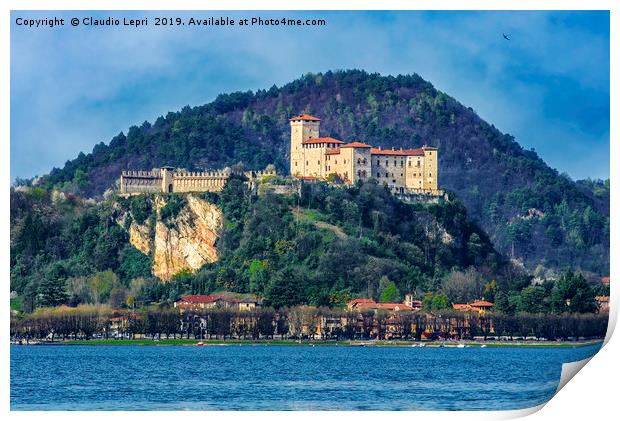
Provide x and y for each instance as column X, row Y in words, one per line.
column 150, row 174
column 204, row 174
column 171, row 180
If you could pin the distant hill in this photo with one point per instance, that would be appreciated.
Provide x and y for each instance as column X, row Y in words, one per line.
column 530, row 211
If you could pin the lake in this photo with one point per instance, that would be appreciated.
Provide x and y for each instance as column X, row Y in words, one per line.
column 272, row 377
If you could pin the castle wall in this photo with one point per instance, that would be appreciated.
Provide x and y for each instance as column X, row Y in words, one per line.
column 415, row 169
column 362, row 164
column 390, row 169
column 209, row 181
column 314, row 160
column 350, row 164
column 167, row 180
column 140, row 182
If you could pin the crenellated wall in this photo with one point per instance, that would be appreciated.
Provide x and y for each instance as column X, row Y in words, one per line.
column 169, row 180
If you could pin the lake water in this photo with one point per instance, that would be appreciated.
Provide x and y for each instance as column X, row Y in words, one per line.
column 284, row 377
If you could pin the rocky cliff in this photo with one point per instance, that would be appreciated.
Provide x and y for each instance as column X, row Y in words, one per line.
column 179, row 242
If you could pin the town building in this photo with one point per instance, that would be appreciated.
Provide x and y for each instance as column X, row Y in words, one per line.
column 365, row 304
column 602, row 302
column 412, row 302
column 404, row 171
column 204, row 302
column 481, row 306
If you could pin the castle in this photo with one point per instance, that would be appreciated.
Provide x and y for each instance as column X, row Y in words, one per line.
column 171, row 180
column 404, row 171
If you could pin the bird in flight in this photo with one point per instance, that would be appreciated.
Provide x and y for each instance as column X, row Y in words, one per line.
column 505, row 37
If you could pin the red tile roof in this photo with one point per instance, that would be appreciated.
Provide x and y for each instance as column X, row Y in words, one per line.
column 394, row 306
column 461, row 307
column 602, row 298
column 205, row 299
column 196, row 299
column 305, row 117
column 399, row 152
column 605, row 280
column 481, row 303
column 356, row 145
column 321, row 140
column 357, row 301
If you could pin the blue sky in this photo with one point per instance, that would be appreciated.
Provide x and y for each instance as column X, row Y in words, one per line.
column 548, row 86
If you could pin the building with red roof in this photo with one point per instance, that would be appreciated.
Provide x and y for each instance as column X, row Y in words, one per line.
column 480, row 306
column 223, row 300
column 305, row 117
column 602, row 301
column 403, row 171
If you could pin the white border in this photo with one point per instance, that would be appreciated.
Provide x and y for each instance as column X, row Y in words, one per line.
column 591, row 395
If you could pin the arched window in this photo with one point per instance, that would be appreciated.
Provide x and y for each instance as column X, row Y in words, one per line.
column 170, row 188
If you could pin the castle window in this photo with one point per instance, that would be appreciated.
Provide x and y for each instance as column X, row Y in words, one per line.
column 402, row 164
column 295, row 163
column 364, row 161
column 306, row 162
column 386, row 175
column 359, row 161
column 410, row 163
column 378, row 175
column 387, row 164
column 318, row 162
column 394, row 162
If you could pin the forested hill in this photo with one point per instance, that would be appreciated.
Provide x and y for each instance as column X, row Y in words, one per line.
column 529, row 210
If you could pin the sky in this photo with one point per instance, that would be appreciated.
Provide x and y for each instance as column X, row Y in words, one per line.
column 548, row 86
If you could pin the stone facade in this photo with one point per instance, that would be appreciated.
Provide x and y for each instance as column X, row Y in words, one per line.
column 171, row 180
column 404, row 171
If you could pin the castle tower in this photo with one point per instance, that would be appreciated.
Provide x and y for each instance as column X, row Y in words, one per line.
column 166, row 179
column 303, row 127
column 431, row 170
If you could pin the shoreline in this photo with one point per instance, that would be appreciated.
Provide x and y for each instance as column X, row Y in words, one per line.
column 360, row 343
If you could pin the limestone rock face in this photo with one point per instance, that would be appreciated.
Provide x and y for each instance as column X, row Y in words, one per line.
column 190, row 242
column 139, row 237
column 187, row 241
